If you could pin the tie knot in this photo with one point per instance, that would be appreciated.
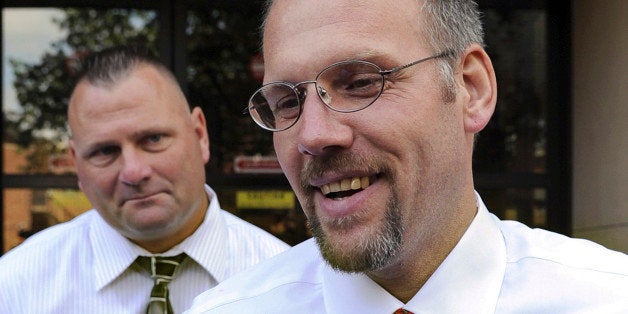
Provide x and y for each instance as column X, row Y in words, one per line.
column 161, row 268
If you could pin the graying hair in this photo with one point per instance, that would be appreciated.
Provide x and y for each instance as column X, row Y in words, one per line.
column 451, row 25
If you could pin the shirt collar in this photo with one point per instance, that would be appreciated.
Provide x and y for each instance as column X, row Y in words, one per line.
column 355, row 293
column 207, row 245
column 113, row 253
column 468, row 281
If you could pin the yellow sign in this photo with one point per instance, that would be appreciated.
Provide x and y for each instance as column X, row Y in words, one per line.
column 265, row 199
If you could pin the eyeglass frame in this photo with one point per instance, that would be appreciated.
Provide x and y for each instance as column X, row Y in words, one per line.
column 294, row 86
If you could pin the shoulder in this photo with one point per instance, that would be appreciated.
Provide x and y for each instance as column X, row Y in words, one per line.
column 550, row 272
column 55, row 240
column 525, row 244
column 255, row 238
column 293, row 277
column 33, row 264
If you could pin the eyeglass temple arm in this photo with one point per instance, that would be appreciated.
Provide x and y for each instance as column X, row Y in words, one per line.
column 446, row 53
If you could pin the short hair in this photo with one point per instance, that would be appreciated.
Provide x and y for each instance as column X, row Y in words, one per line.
column 451, row 25
column 109, row 65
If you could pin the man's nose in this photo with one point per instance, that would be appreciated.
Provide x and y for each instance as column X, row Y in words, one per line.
column 321, row 129
column 135, row 167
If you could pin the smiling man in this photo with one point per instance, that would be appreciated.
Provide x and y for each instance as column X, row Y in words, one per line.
column 375, row 105
column 140, row 153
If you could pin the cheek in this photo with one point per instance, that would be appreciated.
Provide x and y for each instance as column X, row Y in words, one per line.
column 288, row 156
column 182, row 166
column 281, row 149
column 96, row 184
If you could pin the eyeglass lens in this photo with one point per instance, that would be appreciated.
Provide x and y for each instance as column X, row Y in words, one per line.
column 345, row 87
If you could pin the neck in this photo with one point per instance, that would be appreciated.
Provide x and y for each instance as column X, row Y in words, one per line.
column 165, row 242
column 404, row 278
column 406, row 275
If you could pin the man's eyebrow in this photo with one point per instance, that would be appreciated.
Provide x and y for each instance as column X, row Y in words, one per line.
column 375, row 57
column 138, row 134
column 92, row 147
column 368, row 55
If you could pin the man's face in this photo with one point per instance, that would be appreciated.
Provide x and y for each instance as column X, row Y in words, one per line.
column 397, row 163
column 140, row 156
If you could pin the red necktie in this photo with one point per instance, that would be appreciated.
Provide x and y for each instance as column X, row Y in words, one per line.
column 402, row 311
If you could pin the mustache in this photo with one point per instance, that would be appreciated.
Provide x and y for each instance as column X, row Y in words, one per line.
column 318, row 167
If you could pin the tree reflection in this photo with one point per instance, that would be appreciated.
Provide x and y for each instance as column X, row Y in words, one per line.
column 43, row 88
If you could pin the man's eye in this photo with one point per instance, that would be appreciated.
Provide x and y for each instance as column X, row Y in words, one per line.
column 105, row 151
column 362, row 82
column 364, row 85
column 287, row 107
column 287, row 102
column 103, row 155
column 156, row 142
column 155, row 138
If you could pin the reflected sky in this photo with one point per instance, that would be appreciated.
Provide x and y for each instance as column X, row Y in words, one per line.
column 27, row 33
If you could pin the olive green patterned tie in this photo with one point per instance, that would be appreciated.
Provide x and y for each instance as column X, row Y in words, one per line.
column 162, row 270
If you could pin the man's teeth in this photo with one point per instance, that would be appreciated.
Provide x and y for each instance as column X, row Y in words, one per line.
column 346, row 185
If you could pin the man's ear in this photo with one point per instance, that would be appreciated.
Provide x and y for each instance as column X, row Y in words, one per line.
column 73, row 156
column 200, row 129
column 481, row 85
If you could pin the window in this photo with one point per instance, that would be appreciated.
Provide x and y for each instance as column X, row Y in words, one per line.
column 41, row 48
column 521, row 161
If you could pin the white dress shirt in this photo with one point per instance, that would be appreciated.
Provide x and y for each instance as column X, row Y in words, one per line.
column 497, row 267
column 82, row 266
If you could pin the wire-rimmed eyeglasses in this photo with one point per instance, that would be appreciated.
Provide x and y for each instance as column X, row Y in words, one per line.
column 345, row 86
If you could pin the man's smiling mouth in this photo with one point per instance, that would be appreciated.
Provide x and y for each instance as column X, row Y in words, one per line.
column 345, row 187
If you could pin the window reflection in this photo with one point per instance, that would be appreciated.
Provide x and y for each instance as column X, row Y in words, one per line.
column 525, row 205
column 515, row 138
column 222, row 68
column 41, row 50
column 222, row 46
column 27, row 211
column 38, row 78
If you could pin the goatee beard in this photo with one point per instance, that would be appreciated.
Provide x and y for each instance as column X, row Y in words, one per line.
column 372, row 251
